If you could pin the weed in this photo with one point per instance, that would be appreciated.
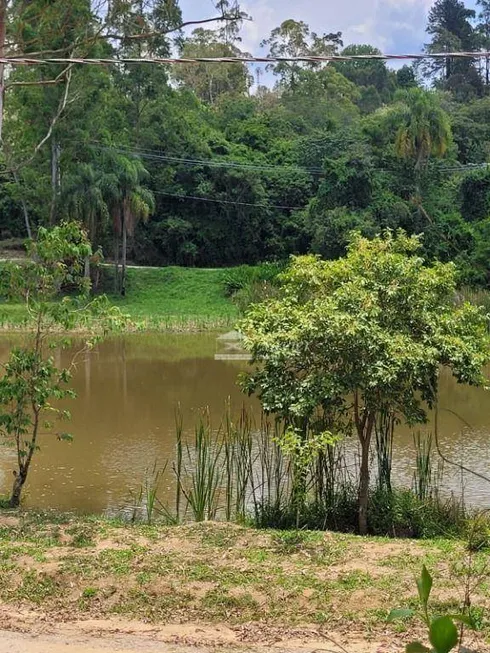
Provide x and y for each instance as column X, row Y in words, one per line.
column 354, row 580
column 222, row 604
column 82, row 535
column 89, row 592
column 290, row 541
column 36, row 588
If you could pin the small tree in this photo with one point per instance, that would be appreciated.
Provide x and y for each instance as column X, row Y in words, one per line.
column 56, row 294
column 366, row 335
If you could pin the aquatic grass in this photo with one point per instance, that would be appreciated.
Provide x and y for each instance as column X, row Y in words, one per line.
column 422, row 477
column 146, row 502
column 239, row 473
column 201, row 477
column 179, row 429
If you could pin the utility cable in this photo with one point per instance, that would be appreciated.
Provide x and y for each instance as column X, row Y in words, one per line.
column 210, row 199
column 23, row 60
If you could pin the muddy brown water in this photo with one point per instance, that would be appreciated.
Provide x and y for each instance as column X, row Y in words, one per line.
column 123, row 423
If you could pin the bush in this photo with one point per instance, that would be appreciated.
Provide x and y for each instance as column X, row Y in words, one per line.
column 244, row 276
column 394, row 514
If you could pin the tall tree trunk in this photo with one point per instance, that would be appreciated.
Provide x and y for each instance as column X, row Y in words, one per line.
column 24, row 208
column 19, row 481
column 364, row 487
column 3, row 31
column 55, row 179
column 116, row 263
column 124, row 255
column 364, row 421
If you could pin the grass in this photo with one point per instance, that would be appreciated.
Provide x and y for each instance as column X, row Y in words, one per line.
column 176, row 292
column 161, row 299
column 226, row 574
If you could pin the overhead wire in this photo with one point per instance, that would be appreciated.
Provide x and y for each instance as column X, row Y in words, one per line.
column 233, row 202
column 21, row 60
column 213, row 163
column 156, row 155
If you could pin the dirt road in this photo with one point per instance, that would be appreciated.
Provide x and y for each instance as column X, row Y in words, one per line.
column 30, row 632
column 56, row 643
column 12, row 642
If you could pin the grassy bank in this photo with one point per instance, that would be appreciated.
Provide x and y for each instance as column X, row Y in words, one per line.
column 160, row 299
column 274, row 582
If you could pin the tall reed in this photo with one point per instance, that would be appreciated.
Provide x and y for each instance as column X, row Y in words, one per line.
column 240, row 470
column 422, row 476
column 202, row 473
column 177, row 466
column 384, row 430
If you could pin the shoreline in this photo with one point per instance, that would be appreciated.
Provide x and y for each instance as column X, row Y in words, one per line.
column 223, row 583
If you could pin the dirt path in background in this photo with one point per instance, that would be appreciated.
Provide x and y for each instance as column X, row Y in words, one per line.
column 29, row 632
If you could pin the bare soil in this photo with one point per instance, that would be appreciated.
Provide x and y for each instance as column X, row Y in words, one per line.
column 23, row 632
column 92, row 586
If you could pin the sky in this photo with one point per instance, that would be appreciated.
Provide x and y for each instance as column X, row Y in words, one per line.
column 393, row 26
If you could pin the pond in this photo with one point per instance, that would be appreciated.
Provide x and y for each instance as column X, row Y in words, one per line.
column 123, row 423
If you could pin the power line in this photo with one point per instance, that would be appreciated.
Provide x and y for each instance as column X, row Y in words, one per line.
column 25, row 60
column 209, row 199
column 156, row 155
column 152, row 154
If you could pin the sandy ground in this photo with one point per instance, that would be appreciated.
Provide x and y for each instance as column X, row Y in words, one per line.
column 30, row 632
column 93, row 587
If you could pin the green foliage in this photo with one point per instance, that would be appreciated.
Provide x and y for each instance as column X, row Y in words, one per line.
column 32, row 384
column 182, row 166
column 242, row 276
column 442, row 631
column 397, row 513
column 346, row 340
column 424, row 129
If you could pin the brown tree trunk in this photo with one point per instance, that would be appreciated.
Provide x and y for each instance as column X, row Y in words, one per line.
column 116, row 263
column 3, row 31
column 124, row 255
column 364, row 488
column 20, row 479
column 364, row 421
column 24, row 207
column 55, row 179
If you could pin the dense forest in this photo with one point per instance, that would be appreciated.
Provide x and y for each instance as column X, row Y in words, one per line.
column 206, row 165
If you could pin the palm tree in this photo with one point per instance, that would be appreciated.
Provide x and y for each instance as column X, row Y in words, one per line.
column 129, row 202
column 83, row 194
column 424, row 131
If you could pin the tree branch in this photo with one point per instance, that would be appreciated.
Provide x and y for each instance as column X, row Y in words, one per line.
column 56, row 117
column 188, row 23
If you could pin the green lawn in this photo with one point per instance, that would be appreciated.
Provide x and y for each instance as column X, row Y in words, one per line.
column 271, row 585
column 176, row 292
column 162, row 298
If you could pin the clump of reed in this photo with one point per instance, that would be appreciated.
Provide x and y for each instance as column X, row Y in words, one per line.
column 237, row 471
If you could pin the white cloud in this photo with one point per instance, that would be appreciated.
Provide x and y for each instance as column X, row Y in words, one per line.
column 387, row 24
column 264, row 19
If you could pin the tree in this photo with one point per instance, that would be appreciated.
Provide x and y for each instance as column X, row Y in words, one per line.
column 405, row 77
column 294, row 39
column 31, row 381
column 483, row 28
column 372, row 77
column 449, row 24
column 210, row 81
column 84, row 198
column 350, row 340
column 129, row 202
column 425, row 129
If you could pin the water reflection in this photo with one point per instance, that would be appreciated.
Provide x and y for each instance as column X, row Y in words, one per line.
column 123, row 422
